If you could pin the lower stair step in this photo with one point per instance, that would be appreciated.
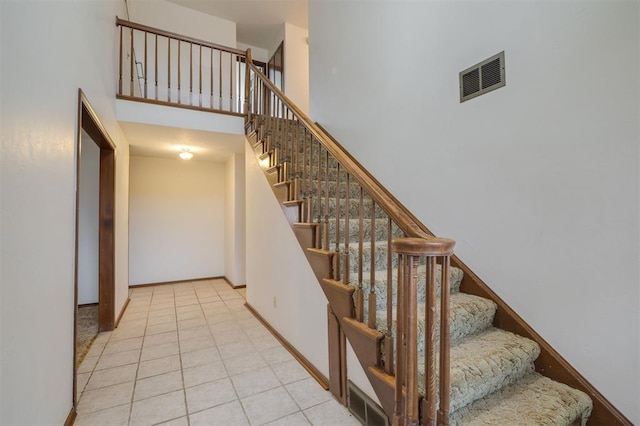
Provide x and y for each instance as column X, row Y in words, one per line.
column 469, row 315
column 533, row 400
column 485, row 362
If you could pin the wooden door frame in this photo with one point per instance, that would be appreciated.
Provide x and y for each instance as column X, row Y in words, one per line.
column 91, row 124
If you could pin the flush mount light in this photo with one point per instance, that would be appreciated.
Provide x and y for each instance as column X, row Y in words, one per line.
column 186, row 154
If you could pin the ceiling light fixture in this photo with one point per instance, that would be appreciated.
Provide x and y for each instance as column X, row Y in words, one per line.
column 186, row 154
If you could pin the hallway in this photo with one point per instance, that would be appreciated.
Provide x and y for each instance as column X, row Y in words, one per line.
column 192, row 354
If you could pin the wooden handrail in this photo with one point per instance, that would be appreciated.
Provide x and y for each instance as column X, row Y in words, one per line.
column 169, row 34
column 382, row 197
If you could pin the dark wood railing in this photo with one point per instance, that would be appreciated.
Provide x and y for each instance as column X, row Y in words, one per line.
column 360, row 224
column 165, row 68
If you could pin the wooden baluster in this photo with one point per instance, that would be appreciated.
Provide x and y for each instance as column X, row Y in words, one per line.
column 388, row 338
column 411, row 344
column 168, row 69
column 156, row 68
column 359, row 290
column 131, row 93
column 220, row 79
column 179, row 75
column 430, row 342
column 120, row 65
column 326, row 202
column 190, row 73
column 145, row 65
column 311, row 192
column 400, row 339
column 200, row 77
column 337, row 209
column 443, row 413
column 347, row 258
column 305, row 178
column 211, row 100
column 372, row 272
column 230, row 81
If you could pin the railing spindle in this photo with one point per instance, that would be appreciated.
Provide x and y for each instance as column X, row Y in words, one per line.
column 347, row 257
column 230, row 82
column 145, row 65
column 168, row 69
column 445, row 377
column 372, row 273
column 388, row 338
column 120, row 65
column 179, row 74
column 131, row 65
column 337, row 209
column 359, row 290
column 156, row 68
column 326, row 202
column 200, row 76
column 430, row 342
column 220, row 79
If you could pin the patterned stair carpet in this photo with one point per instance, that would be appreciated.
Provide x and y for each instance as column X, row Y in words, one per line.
column 493, row 379
column 87, row 330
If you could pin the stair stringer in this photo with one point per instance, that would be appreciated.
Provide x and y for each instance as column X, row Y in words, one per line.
column 364, row 340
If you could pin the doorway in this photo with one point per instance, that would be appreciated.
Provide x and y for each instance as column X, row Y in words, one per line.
column 95, row 236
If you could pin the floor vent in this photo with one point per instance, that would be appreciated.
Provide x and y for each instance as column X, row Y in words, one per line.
column 483, row 77
column 363, row 408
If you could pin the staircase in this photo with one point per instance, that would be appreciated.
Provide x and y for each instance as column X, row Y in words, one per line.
column 386, row 278
column 438, row 346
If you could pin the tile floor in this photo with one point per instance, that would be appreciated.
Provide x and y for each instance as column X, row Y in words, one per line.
column 192, row 354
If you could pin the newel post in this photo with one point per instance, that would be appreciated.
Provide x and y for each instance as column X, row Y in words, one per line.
column 407, row 398
column 247, row 86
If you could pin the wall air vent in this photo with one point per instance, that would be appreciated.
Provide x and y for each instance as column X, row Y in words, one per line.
column 483, row 77
column 363, row 408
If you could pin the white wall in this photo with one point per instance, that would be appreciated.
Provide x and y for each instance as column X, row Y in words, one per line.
column 176, row 220
column 88, row 211
column 182, row 20
column 74, row 42
column 234, row 220
column 296, row 65
column 280, row 283
column 257, row 53
column 537, row 181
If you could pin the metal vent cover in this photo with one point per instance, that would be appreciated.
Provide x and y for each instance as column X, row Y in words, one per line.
column 483, row 77
column 364, row 408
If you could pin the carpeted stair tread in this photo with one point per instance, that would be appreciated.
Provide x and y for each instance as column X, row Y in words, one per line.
column 483, row 363
column 468, row 315
column 533, row 400
column 455, row 279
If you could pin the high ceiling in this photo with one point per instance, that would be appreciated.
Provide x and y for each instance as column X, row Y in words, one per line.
column 257, row 21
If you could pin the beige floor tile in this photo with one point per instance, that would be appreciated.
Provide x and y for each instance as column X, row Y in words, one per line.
column 157, row 385
column 249, row 322
column 122, row 345
column 103, row 337
column 232, row 350
column 167, row 311
column 158, row 409
column 289, row 371
column 88, row 364
column 243, row 363
column 209, row 395
column 216, row 317
column 268, row 406
column 194, row 333
column 264, row 342
column 256, row 381
column 188, row 308
column 204, row 373
column 256, row 332
column 133, row 324
column 307, row 393
column 156, row 307
column 228, row 336
column 112, row 376
column 295, row 419
column 158, row 366
column 197, row 344
column 182, row 421
column 103, row 398
column 162, row 324
column 159, row 351
column 208, row 299
column 96, row 349
column 184, row 301
column 116, row 416
column 190, row 315
column 133, row 315
column 199, row 357
column 190, row 323
column 118, row 359
column 125, row 333
column 330, row 413
column 160, row 339
column 276, row 355
column 81, row 381
column 230, row 414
